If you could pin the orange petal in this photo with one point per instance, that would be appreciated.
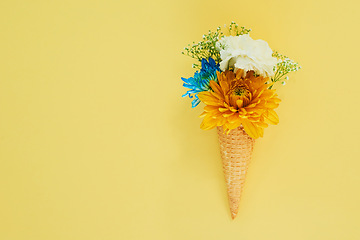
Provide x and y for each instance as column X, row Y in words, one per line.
column 239, row 103
column 234, row 124
column 217, row 95
column 223, row 110
column 250, row 128
column 208, row 123
column 214, row 86
column 203, row 115
column 208, row 99
column 271, row 117
column 225, row 115
column 233, row 118
column 210, row 108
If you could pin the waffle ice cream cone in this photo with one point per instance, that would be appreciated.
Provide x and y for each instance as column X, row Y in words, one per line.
column 236, row 149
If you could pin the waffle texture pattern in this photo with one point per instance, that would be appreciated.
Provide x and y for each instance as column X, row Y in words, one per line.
column 236, row 150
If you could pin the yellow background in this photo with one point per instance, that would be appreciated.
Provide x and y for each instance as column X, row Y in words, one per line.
column 97, row 143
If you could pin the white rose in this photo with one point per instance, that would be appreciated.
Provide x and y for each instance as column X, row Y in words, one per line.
column 242, row 52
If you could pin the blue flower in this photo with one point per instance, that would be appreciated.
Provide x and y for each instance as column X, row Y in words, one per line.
column 200, row 81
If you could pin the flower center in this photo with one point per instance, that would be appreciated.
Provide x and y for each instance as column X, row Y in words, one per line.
column 239, row 91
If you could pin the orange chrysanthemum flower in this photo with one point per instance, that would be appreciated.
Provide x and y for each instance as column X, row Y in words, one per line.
column 238, row 100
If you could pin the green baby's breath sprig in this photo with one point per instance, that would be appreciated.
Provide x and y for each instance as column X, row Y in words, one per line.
column 235, row 30
column 206, row 48
column 284, row 66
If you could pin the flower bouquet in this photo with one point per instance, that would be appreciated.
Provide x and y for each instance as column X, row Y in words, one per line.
column 234, row 79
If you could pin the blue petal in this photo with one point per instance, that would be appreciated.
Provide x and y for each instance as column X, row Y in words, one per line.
column 195, row 102
column 201, row 79
column 187, row 80
column 188, row 85
column 203, row 62
column 212, row 62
